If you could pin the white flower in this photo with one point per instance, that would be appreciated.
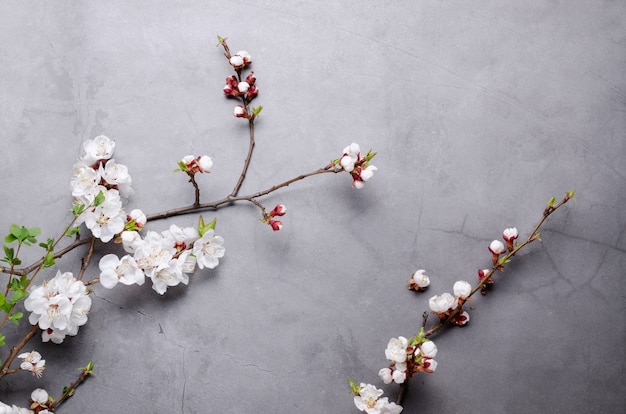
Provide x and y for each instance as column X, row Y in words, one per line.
column 170, row 275
column 84, row 182
column 390, row 407
column 428, row 349
column 152, row 253
column 368, row 399
column 6, row 409
column 442, row 303
column 351, row 154
column 510, row 234
column 179, row 238
column 462, row 289
column 239, row 111
column 399, row 376
column 139, row 217
column 245, row 56
column 236, row 61
column 205, row 163
column 117, row 175
column 39, row 395
column 385, row 375
column 107, row 219
column 59, row 306
column 497, row 247
column 31, row 361
column 243, row 87
column 208, row 250
column 430, row 364
column 124, row 270
column 421, row 279
column 99, row 148
column 396, row 349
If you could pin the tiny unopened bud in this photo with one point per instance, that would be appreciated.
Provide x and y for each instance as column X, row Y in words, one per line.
column 243, row 87
column 276, row 224
column 279, row 210
column 240, row 112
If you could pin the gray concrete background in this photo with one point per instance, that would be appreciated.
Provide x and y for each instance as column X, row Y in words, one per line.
column 480, row 112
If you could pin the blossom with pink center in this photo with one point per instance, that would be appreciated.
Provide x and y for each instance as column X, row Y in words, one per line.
column 99, row 148
column 124, row 270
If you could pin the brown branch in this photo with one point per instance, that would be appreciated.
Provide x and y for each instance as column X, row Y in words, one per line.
column 4, row 370
column 213, row 205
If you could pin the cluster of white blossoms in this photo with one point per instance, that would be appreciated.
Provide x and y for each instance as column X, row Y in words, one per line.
column 59, row 306
column 407, row 358
column 96, row 173
column 356, row 164
column 39, row 402
column 167, row 258
column 368, row 399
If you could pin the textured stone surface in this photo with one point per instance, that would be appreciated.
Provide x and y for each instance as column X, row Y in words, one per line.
column 480, row 113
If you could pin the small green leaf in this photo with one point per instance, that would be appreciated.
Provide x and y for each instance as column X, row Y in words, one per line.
column 10, row 238
column 78, row 208
column 2, row 342
column 72, row 231
column 355, row 388
column 99, row 199
column 48, row 261
column 551, row 202
column 15, row 230
column 203, row 228
column 15, row 318
column 18, row 295
column 256, row 111
column 9, row 253
column 34, row 231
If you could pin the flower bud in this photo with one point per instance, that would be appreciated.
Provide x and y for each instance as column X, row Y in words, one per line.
column 279, row 210
column 509, row 235
column 236, row 62
column 240, row 112
column 204, row 163
column 462, row 289
column 430, row 365
column 138, row 216
column 497, row 247
column 243, row 87
column 385, row 375
column 275, row 224
column 419, row 280
column 399, row 376
column 39, row 396
column 245, row 56
column 251, row 79
column 428, row 349
column 442, row 303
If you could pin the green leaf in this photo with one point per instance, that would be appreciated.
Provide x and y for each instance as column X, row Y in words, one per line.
column 78, row 208
column 99, row 199
column 48, row 260
column 355, row 388
column 551, row 202
column 15, row 230
column 203, row 228
column 9, row 252
column 15, row 318
column 18, row 295
column 34, row 231
column 256, row 111
column 10, row 238
column 2, row 342
column 72, row 231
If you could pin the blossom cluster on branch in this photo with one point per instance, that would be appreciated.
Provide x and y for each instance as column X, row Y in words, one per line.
column 409, row 356
column 101, row 189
